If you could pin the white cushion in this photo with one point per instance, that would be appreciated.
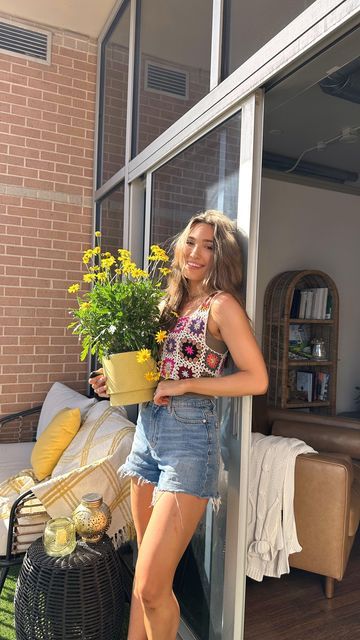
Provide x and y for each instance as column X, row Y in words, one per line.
column 98, row 437
column 14, row 457
column 61, row 397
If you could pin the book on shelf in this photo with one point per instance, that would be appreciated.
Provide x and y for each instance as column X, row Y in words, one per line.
column 328, row 307
column 304, row 385
column 303, row 297
column 295, row 304
column 311, row 304
column 321, row 385
column 299, row 342
column 319, row 305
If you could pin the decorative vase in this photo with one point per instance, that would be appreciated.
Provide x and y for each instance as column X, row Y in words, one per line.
column 126, row 380
column 59, row 537
column 92, row 517
column 318, row 349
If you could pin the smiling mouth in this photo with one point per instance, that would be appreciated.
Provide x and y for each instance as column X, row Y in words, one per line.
column 193, row 265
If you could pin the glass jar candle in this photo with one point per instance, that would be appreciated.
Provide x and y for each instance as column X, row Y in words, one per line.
column 59, row 536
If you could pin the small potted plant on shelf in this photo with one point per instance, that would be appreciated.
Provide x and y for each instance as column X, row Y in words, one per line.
column 118, row 319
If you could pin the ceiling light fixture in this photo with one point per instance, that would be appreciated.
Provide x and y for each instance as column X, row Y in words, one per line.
column 349, row 135
column 281, row 163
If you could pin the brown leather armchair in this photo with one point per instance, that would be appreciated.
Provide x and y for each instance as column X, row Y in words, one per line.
column 327, row 489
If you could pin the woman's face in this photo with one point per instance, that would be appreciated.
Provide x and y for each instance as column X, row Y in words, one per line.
column 199, row 252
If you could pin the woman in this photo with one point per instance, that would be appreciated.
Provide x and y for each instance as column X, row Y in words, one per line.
column 174, row 461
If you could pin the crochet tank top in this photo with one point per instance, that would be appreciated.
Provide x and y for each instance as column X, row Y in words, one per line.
column 189, row 351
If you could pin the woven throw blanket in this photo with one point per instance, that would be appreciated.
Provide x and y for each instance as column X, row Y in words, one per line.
column 62, row 494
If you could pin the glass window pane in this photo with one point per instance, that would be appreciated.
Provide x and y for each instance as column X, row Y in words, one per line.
column 174, row 64
column 204, row 176
column 114, row 96
column 112, row 221
column 246, row 33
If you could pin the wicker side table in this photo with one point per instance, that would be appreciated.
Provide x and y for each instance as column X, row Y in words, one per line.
column 80, row 596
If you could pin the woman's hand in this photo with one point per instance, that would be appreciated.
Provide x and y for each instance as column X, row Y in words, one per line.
column 168, row 388
column 98, row 383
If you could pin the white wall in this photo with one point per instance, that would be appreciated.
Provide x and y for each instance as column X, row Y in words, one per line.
column 304, row 227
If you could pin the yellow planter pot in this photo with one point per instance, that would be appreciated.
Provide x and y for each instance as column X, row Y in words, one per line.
column 126, row 381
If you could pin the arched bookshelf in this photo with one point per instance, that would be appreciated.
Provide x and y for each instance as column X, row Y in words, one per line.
column 298, row 379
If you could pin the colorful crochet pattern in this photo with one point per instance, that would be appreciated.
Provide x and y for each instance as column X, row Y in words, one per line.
column 185, row 352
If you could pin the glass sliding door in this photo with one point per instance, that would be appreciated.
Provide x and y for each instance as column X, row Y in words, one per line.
column 207, row 175
column 113, row 96
column 173, row 64
column 111, row 220
column 245, row 33
column 204, row 176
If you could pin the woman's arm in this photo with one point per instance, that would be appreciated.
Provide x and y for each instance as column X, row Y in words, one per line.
column 235, row 330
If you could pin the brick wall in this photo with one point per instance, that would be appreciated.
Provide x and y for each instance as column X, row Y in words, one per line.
column 47, row 116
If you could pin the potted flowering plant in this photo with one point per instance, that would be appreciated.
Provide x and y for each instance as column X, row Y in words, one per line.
column 118, row 319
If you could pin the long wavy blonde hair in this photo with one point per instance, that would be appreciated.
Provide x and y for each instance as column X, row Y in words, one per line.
column 226, row 273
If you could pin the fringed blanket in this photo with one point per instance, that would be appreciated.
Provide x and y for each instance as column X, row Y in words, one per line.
column 60, row 495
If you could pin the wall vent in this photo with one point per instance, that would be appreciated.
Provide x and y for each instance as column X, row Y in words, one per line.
column 28, row 42
column 166, row 80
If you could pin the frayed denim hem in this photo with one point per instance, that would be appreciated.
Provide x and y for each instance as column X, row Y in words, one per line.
column 215, row 501
column 133, row 474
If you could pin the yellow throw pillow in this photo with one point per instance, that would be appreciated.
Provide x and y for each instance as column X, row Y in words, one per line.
column 53, row 441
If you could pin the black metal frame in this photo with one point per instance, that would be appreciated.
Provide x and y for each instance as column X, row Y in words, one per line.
column 20, row 414
column 11, row 559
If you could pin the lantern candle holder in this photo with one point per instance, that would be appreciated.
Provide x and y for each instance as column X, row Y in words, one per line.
column 59, row 536
column 92, row 517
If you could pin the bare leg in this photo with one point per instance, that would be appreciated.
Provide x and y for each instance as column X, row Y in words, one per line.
column 169, row 531
column 141, row 496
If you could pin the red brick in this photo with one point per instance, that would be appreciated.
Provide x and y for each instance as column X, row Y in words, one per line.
column 13, row 350
column 13, row 99
column 23, row 152
column 26, row 91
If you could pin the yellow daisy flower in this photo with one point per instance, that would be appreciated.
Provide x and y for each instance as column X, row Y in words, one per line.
column 143, row 355
column 74, row 288
column 87, row 256
column 157, row 253
column 152, row 376
column 85, row 305
column 160, row 336
column 89, row 277
column 138, row 273
column 98, row 234
column 106, row 263
column 124, row 254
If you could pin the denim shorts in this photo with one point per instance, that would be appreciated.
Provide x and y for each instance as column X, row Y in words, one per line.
column 176, row 447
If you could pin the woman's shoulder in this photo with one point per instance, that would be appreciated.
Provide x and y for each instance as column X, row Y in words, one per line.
column 224, row 303
column 224, row 299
